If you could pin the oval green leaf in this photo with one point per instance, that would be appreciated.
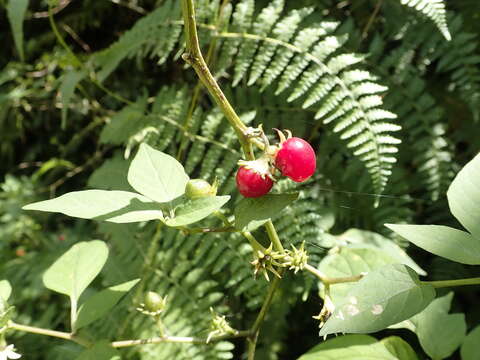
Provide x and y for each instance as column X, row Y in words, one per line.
column 98, row 305
column 349, row 347
column 156, row 175
column 196, row 210
column 443, row 241
column 383, row 297
column 250, row 213
column 464, row 196
column 102, row 205
column 76, row 269
column 399, row 348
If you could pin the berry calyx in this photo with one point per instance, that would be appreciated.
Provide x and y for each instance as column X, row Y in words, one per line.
column 199, row 188
column 296, row 159
column 254, row 178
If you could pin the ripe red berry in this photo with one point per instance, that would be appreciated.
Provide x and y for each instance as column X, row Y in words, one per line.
column 296, row 159
column 252, row 183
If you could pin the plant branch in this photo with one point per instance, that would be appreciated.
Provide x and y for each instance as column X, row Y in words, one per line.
column 451, row 283
column 331, row 281
column 194, row 57
column 255, row 330
column 48, row 332
column 179, row 339
column 273, row 236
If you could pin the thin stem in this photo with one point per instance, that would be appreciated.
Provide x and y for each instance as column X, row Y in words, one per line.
column 187, row 230
column 372, row 18
column 61, row 40
column 79, row 63
column 451, row 283
column 252, row 346
column 255, row 330
column 147, row 265
column 179, row 339
column 48, row 332
column 272, row 234
column 253, row 242
column 194, row 57
column 331, row 281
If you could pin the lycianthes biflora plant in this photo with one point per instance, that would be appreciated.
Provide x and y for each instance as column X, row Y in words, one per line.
column 236, row 162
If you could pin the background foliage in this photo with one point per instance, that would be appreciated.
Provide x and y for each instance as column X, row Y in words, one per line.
column 79, row 91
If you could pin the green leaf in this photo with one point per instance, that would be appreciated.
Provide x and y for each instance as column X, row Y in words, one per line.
column 443, row 241
column 399, row 348
column 101, row 350
column 76, row 269
column 16, row 10
column 5, row 289
column 156, row 175
column 196, row 210
column 251, row 213
column 367, row 239
column 350, row 262
column 99, row 304
column 383, row 297
column 349, row 347
column 102, row 205
column 464, row 196
column 440, row 333
column 469, row 349
column 67, row 88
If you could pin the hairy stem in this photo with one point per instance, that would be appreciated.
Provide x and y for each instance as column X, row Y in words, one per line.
column 194, row 57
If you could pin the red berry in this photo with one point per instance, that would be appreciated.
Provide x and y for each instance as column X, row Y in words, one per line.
column 296, row 159
column 252, row 183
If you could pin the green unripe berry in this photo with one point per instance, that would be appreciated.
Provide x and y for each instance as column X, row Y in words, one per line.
column 199, row 188
column 154, row 303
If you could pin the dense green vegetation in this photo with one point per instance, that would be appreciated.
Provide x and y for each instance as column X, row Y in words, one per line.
column 386, row 91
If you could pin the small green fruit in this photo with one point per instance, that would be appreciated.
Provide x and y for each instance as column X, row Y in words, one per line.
column 199, row 188
column 154, row 303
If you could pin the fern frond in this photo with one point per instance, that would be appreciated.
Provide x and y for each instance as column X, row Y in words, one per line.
column 434, row 10
column 425, row 134
column 152, row 34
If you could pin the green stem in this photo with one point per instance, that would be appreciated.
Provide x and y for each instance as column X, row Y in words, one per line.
column 253, row 242
column 126, row 343
column 179, row 339
column 272, row 234
column 147, row 266
column 331, row 281
column 61, row 40
column 48, row 332
column 255, row 330
column 194, row 57
column 451, row 283
column 78, row 63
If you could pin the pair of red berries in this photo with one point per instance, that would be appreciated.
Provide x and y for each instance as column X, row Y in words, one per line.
column 295, row 159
